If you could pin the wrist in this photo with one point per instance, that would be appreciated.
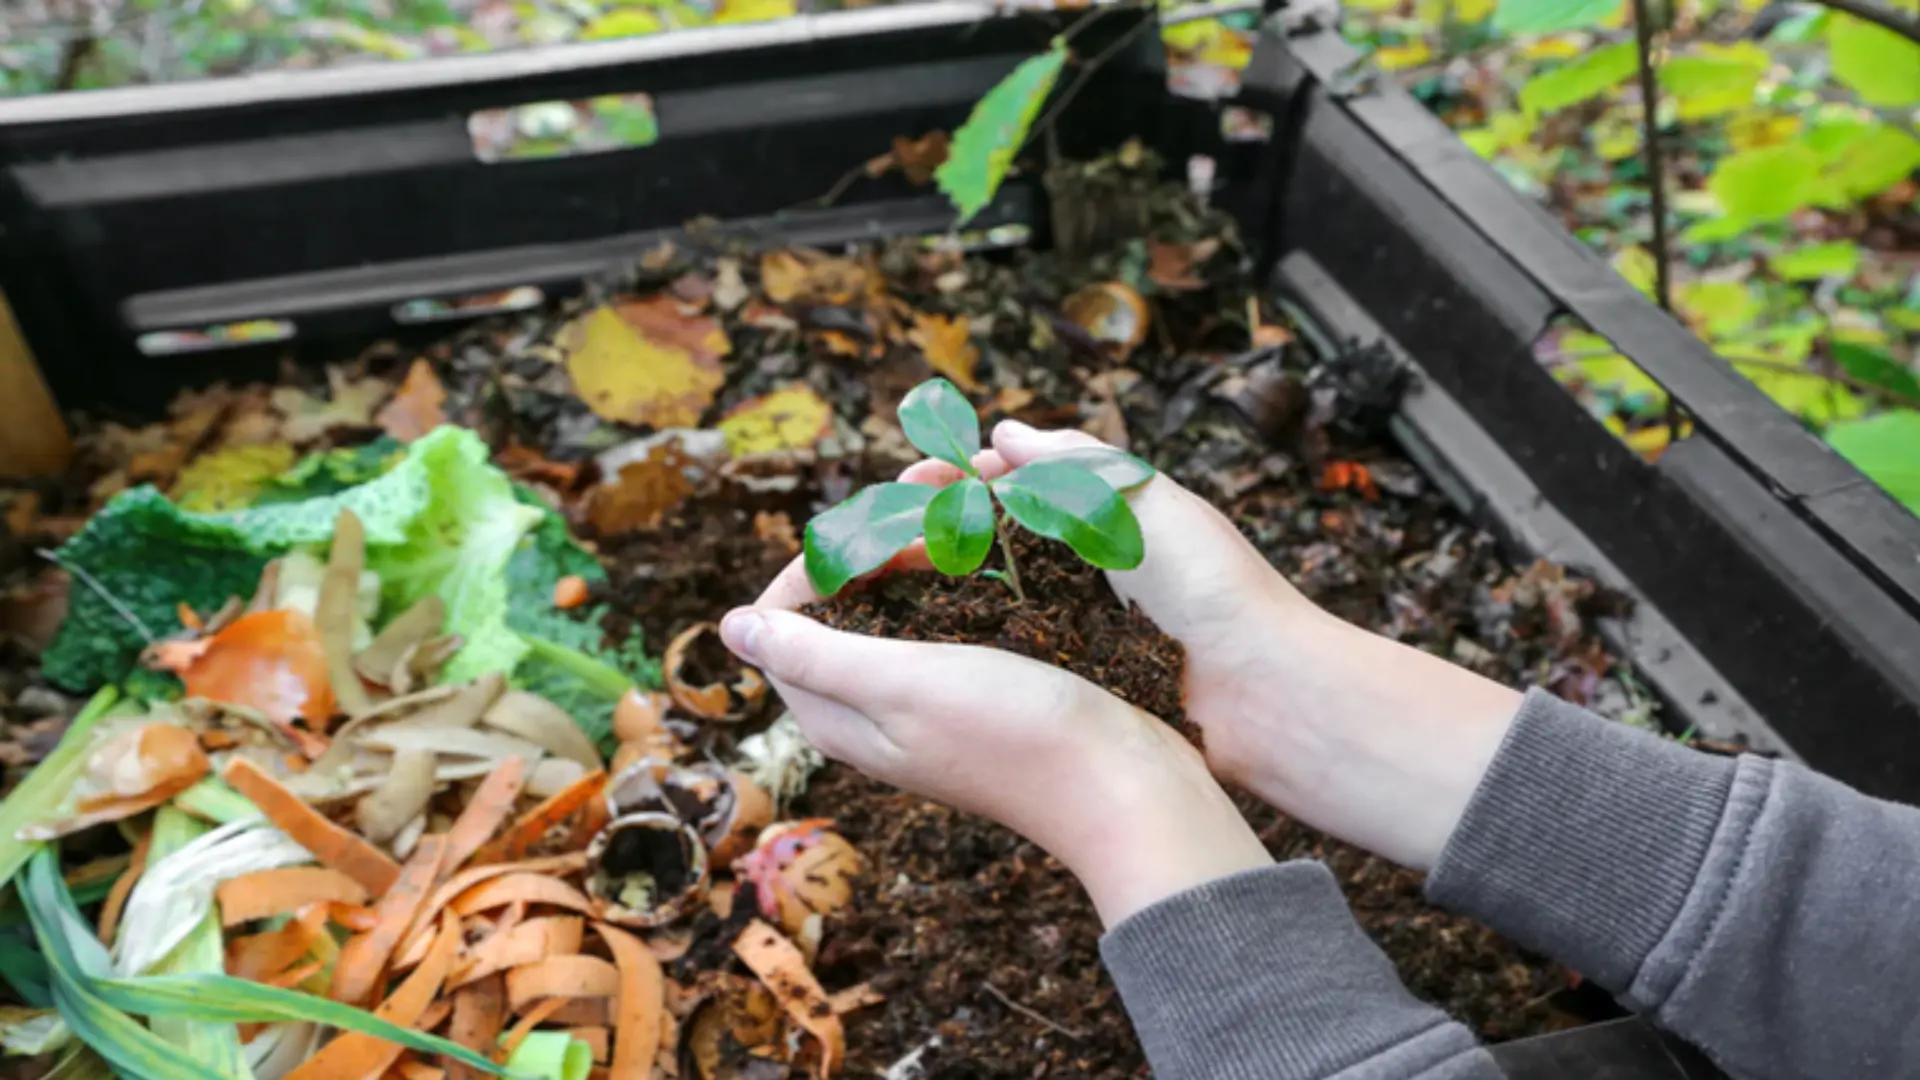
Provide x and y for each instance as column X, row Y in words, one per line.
column 1155, row 823
column 1373, row 741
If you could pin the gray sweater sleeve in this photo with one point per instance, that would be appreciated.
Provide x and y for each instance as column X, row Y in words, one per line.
column 1266, row 976
column 1766, row 913
column 1755, row 908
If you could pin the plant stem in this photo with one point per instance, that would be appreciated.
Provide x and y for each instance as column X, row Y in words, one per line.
column 1006, row 549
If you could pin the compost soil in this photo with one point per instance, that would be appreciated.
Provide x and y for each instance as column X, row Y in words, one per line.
column 1065, row 615
column 986, row 949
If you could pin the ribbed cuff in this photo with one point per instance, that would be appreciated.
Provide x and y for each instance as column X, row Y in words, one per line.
column 1583, row 839
column 1262, row 976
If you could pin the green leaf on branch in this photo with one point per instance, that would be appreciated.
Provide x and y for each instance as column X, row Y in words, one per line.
column 1879, row 369
column 1714, row 79
column 939, row 421
column 1874, row 158
column 1588, row 77
column 960, row 527
column 1881, row 66
column 1546, row 16
column 1066, row 502
column 1887, row 449
column 1808, row 395
column 861, row 534
column 1840, row 259
column 1121, row 470
column 983, row 148
column 1767, row 183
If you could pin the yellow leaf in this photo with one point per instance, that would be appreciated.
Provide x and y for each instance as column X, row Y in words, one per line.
column 624, row 377
column 1372, row 5
column 619, row 24
column 1649, row 442
column 791, row 418
column 786, row 276
column 1616, row 137
column 1636, row 265
column 1192, row 36
column 1756, row 128
column 1402, row 57
column 1230, row 50
column 229, row 479
column 947, row 347
column 1473, row 11
column 739, row 11
column 1556, row 47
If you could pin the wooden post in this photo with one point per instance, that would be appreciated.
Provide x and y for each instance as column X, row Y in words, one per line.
column 33, row 436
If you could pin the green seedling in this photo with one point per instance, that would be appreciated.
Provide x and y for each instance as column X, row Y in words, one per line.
column 1076, row 498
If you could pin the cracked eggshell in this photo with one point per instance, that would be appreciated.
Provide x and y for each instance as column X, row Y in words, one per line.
column 706, row 681
column 750, row 813
column 646, row 870
column 1112, row 313
column 737, row 1032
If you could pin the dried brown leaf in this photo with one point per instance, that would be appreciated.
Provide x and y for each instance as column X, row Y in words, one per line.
column 949, row 349
column 417, row 407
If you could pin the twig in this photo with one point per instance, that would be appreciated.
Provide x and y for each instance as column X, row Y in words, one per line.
column 114, row 602
column 1087, row 71
column 1878, row 14
column 1656, row 164
column 1029, row 1013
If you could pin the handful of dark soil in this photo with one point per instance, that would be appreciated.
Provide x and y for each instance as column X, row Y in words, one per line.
column 1070, row 618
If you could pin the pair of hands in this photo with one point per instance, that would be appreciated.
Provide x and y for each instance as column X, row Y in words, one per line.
column 1372, row 741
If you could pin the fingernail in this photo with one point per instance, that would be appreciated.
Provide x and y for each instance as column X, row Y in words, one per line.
column 1016, row 428
column 743, row 630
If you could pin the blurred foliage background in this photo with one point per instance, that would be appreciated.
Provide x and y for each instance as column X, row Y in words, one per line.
column 1790, row 131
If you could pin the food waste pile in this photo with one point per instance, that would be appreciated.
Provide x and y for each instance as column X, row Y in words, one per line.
column 371, row 722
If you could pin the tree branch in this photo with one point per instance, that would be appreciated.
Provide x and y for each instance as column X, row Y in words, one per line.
column 1879, row 14
column 1650, row 143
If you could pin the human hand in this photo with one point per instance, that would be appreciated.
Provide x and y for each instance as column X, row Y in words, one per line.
column 1373, row 741
column 1113, row 793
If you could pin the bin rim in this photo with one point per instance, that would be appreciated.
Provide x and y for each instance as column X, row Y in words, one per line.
column 272, row 87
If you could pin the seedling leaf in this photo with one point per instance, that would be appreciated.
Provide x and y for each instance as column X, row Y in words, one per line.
column 960, row 527
column 1066, row 502
column 1121, row 470
column 861, row 534
column 937, row 419
column 984, row 147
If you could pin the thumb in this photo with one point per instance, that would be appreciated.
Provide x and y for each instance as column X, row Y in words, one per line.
column 1019, row 444
column 790, row 648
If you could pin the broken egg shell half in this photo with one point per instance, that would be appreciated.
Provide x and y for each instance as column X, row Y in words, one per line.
column 800, row 869
column 1113, row 313
column 737, row 1032
column 641, row 716
column 646, row 870
column 751, row 811
column 705, row 680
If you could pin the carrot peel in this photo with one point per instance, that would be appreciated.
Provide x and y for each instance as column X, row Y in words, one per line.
column 331, row 844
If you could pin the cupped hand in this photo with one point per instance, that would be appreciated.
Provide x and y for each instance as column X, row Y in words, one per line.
column 1112, row 792
column 1373, row 741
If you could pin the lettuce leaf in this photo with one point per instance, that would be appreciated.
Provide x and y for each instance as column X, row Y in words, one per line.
column 151, row 556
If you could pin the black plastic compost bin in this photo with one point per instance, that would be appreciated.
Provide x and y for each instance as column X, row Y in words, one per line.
column 1777, row 589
